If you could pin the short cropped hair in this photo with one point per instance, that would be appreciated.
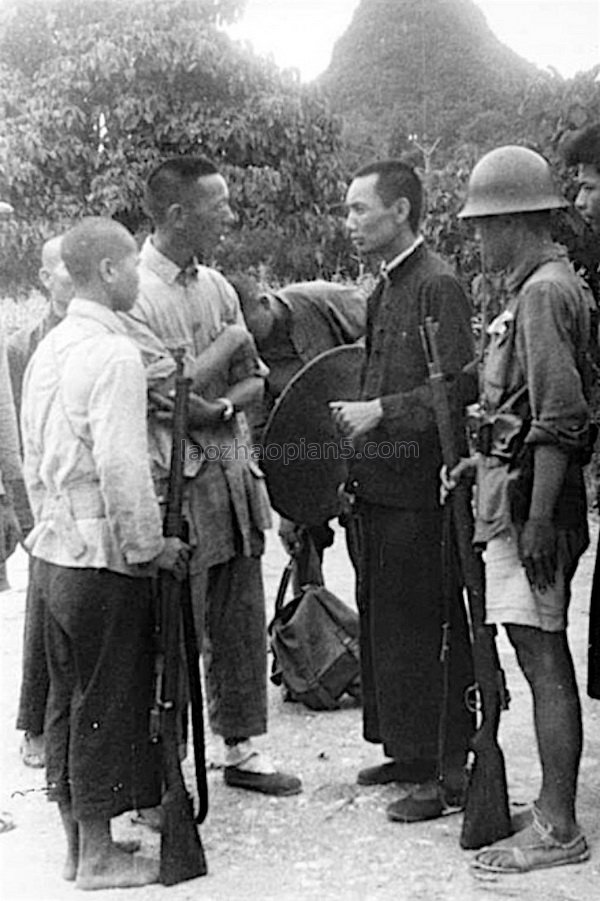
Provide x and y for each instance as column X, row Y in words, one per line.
column 397, row 179
column 583, row 147
column 246, row 287
column 93, row 239
column 169, row 182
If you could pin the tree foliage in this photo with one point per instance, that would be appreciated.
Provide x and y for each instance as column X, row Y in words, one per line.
column 94, row 95
column 549, row 110
column 431, row 68
column 409, row 77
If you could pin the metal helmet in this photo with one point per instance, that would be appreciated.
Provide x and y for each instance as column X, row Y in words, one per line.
column 508, row 180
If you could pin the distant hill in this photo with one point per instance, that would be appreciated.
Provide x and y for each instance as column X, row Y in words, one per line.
column 429, row 67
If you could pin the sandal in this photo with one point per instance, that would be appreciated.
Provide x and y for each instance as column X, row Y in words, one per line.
column 534, row 848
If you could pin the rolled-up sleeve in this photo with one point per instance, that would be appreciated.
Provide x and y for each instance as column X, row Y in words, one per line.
column 552, row 333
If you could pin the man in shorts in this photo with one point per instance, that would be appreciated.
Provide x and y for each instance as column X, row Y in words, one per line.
column 531, row 503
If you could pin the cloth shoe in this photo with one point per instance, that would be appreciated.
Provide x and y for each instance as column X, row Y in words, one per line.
column 253, row 771
column 396, row 771
column 427, row 801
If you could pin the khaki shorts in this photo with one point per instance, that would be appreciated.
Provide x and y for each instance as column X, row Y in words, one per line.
column 509, row 596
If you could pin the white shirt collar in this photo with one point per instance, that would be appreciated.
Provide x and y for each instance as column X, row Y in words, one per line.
column 386, row 268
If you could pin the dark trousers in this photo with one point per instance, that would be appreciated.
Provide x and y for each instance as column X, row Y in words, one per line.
column 401, row 606
column 100, row 658
column 230, row 617
column 34, row 680
column 594, row 636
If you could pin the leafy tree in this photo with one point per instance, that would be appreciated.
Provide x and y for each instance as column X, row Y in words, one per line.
column 94, row 95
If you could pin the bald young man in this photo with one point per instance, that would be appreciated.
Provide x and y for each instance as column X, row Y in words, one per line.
column 98, row 538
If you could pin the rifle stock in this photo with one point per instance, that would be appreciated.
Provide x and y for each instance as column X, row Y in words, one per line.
column 181, row 852
column 486, row 817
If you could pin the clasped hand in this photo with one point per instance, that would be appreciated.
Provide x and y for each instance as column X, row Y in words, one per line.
column 355, row 418
column 200, row 411
column 174, row 557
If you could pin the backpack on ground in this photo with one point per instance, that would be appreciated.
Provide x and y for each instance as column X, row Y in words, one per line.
column 314, row 640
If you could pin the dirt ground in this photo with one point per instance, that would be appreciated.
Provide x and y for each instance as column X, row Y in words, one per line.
column 332, row 842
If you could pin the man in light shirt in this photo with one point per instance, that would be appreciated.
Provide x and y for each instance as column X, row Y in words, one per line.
column 98, row 537
column 184, row 303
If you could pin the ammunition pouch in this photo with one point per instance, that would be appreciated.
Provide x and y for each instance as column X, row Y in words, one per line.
column 501, row 435
column 498, row 435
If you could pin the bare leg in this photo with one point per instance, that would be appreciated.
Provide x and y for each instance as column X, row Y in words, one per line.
column 546, row 662
column 553, row 837
column 72, row 835
column 71, row 828
column 104, row 865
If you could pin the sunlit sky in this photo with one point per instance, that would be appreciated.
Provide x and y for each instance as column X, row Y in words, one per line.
column 300, row 34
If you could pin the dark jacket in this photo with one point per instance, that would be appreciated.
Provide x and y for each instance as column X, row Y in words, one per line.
column 401, row 458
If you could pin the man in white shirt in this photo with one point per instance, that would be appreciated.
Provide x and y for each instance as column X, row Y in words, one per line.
column 98, row 534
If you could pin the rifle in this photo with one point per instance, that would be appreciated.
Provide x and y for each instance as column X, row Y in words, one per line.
column 181, row 852
column 195, row 685
column 486, row 817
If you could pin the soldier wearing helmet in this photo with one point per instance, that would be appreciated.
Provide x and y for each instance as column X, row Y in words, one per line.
column 531, row 504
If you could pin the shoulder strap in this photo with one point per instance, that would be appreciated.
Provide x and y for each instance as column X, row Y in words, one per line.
column 283, row 584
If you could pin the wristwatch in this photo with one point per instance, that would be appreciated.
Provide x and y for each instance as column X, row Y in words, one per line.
column 228, row 409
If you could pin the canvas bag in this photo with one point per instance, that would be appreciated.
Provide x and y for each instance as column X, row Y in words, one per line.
column 314, row 641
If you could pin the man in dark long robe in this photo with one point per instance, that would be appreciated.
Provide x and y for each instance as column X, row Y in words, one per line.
column 394, row 483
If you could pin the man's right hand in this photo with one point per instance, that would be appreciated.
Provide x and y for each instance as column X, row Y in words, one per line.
column 465, row 468
column 174, row 557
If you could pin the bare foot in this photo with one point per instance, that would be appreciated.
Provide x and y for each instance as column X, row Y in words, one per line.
column 521, row 818
column 116, row 870
column 70, row 868
column 152, row 817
